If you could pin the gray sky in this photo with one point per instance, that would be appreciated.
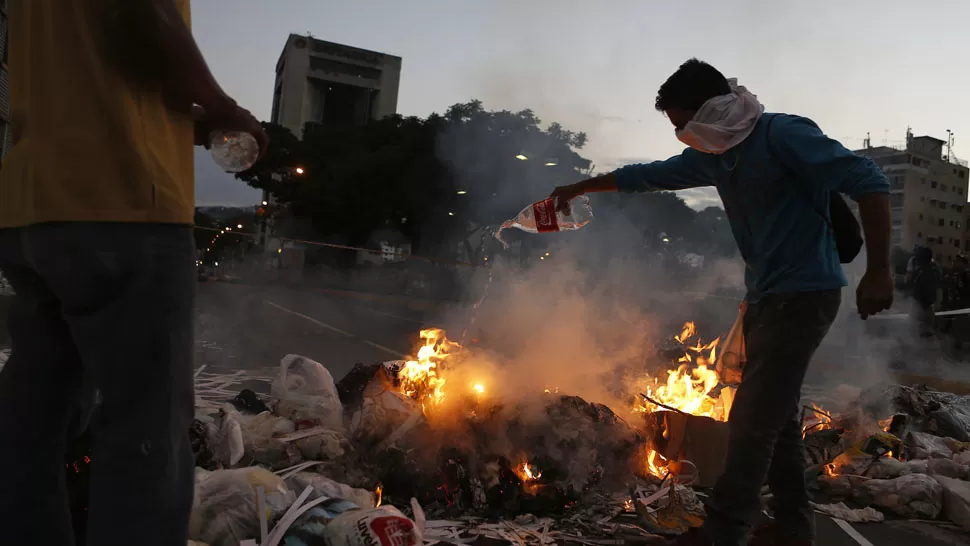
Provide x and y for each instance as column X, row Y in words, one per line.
column 864, row 65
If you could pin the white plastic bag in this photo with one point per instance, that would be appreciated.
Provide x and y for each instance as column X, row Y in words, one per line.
column 327, row 445
column 229, row 448
column 306, row 392
column 261, row 444
column 325, row 487
column 382, row 526
column 225, row 509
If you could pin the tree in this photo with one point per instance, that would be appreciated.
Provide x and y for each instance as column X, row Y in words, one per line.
column 436, row 179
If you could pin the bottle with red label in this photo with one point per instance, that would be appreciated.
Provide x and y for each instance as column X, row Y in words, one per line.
column 542, row 217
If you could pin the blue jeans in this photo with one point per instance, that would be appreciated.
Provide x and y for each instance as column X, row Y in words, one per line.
column 782, row 332
column 105, row 306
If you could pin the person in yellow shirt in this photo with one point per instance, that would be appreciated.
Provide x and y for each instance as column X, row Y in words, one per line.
column 96, row 209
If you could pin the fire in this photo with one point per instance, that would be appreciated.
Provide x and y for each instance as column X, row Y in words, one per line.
column 378, row 495
column 688, row 387
column 686, row 332
column 530, row 472
column 655, row 464
column 478, row 388
column 421, row 379
column 819, row 420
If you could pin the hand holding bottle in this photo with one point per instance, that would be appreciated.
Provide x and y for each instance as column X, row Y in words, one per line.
column 233, row 135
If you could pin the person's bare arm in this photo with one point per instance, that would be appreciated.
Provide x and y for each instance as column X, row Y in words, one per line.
column 875, row 292
column 598, row 184
column 877, row 225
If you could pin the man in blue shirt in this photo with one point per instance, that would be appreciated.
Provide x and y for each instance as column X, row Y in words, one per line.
column 775, row 174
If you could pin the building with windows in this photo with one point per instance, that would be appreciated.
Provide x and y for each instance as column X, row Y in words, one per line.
column 320, row 84
column 928, row 194
column 332, row 84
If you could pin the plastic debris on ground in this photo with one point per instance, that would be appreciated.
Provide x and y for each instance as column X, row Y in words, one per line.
column 908, row 470
column 305, row 391
column 852, row 515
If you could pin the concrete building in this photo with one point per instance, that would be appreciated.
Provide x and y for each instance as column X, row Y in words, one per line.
column 6, row 135
column 321, row 83
column 929, row 195
column 332, row 84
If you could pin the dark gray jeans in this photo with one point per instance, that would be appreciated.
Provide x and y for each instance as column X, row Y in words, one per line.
column 782, row 332
column 106, row 306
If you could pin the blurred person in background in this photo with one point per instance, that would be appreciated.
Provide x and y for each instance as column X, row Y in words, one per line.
column 775, row 174
column 96, row 210
column 923, row 285
column 956, row 296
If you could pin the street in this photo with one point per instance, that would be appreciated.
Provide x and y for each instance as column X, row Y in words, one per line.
column 246, row 328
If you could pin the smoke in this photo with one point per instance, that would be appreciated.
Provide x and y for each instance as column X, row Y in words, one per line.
column 587, row 319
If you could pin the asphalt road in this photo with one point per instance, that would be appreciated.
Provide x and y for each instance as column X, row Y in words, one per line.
column 245, row 327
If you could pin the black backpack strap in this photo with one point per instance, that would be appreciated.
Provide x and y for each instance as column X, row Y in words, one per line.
column 794, row 175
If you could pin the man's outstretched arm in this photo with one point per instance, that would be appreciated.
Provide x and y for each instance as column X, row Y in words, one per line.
column 677, row 173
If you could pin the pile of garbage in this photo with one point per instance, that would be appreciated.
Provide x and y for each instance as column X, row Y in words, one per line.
column 913, row 464
column 362, row 460
column 357, row 461
column 258, row 475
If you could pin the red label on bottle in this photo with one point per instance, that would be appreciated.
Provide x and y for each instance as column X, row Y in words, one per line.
column 391, row 531
column 545, row 214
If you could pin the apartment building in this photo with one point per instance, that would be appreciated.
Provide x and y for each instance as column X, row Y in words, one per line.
column 928, row 194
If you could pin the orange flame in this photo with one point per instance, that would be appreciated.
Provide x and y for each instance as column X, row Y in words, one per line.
column 688, row 388
column 820, row 420
column 529, row 472
column 655, row 464
column 421, row 378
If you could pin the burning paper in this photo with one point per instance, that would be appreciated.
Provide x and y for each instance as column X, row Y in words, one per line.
column 689, row 387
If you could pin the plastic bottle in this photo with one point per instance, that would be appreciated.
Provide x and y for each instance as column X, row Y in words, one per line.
column 542, row 217
column 234, row 151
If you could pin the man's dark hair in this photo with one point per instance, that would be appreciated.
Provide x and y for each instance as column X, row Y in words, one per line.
column 691, row 86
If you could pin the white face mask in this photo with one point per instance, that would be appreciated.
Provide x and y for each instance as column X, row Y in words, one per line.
column 722, row 122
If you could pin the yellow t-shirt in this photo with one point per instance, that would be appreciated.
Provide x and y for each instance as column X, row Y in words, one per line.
column 88, row 145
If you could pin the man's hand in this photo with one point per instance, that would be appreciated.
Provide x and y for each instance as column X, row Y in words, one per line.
column 564, row 194
column 875, row 292
column 229, row 117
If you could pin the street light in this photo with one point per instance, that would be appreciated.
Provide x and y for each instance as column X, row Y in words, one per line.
column 461, row 192
column 239, row 226
column 521, row 157
column 551, row 163
column 451, row 214
column 265, row 203
column 299, row 170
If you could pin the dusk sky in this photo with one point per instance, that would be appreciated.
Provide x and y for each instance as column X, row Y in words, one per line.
column 854, row 67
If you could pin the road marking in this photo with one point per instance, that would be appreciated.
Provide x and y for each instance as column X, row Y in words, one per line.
column 338, row 330
column 851, row 531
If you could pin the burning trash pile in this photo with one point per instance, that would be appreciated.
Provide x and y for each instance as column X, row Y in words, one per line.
column 913, row 464
column 430, row 445
column 430, row 448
